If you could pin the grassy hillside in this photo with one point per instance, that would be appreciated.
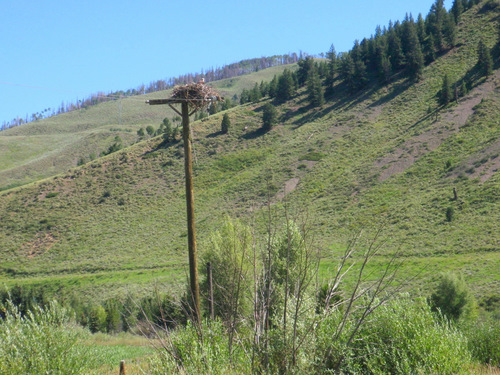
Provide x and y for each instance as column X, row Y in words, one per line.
column 51, row 146
column 387, row 157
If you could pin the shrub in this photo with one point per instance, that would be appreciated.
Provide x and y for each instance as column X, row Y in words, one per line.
column 44, row 341
column 97, row 319
column 113, row 318
column 150, row 130
column 229, row 254
column 404, row 337
column 193, row 351
column 453, row 298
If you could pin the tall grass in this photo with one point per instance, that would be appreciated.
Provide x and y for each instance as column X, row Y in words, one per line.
column 484, row 341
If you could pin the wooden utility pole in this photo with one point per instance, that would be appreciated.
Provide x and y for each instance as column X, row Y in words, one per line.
column 193, row 256
column 188, row 167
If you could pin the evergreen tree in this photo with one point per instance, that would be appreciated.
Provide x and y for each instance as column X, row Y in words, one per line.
column 353, row 72
column 165, row 123
column 202, row 114
column 396, row 55
column 356, row 51
column 285, row 88
column 273, row 87
column 264, row 88
column 332, row 65
column 411, row 47
column 314, row 89
column 422, row 35
column 384, row 69
column 415, row 63
column 295, row 82
column 244, row 96
column 347, row 72
column 213, row 108
column 371, row 57
column 255, row 94
column 159, row 131
column 322, row 69
column 430, row 49
column 225, row 124
column 484, row 61
column 305, row 66
column 446, row 93
column 435, row 21
column 141, row 132
column 175, row 132
column 360, row 75
column 449, row 30
column 457, row 9
column 168, row 132
column 365, row 55
column 408, row 34
column 226, row 104
column 269, row 117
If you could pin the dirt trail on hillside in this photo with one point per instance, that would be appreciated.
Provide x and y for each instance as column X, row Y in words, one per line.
column 444, row 126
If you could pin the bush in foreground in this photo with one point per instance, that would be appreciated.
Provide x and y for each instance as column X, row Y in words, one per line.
column 44, row 341
column 405, row 337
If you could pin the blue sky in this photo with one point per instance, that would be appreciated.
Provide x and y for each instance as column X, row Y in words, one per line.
column 53, row 51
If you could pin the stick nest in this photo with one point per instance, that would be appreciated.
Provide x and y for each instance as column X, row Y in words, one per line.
column 198, row 95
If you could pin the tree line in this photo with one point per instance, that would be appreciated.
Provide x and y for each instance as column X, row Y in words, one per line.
column 402, row 49
column 211, row 74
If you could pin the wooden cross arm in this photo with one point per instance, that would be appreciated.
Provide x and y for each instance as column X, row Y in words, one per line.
column 164, row 101
column 176, row 101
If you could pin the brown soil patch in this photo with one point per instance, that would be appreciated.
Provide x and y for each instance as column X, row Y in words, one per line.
column 483, row 165
column 290, row 186
column 487, row 170
column 42, row 243
column 444, row 126
column 370, row 114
